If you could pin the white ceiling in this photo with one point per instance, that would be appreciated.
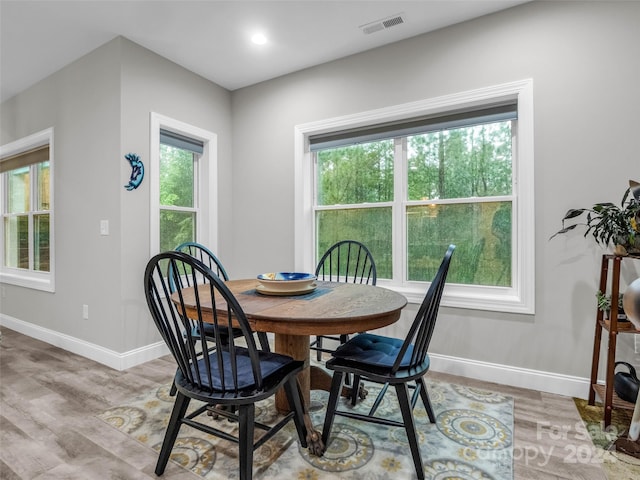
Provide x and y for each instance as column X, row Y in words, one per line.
column 211, row 38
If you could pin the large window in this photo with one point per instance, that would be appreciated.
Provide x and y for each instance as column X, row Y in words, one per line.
column 183, row 184
column 26, row 208
column 451, row 171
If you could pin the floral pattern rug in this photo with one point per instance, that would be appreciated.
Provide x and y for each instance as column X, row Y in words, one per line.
column 471, row 439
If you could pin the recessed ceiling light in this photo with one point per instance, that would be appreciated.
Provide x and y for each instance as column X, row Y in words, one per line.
column 259, row 39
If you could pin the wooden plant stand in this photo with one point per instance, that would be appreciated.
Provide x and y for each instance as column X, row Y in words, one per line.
column 613, row 327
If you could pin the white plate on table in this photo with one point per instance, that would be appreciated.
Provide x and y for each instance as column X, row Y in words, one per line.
column 298, row 291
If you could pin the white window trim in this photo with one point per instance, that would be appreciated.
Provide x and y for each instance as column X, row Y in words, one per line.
column 44, row 281
column 207, row 179
column 520, row 298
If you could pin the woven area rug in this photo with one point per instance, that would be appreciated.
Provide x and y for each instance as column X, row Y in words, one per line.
column 617, row 465
column 471, row 439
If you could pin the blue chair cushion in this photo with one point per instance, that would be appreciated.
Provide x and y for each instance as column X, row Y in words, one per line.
column 270, row 363
column 375, row 350
column 210, row 331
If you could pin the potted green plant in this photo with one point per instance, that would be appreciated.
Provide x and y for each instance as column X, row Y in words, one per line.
column 611, row 224
column 604, row 304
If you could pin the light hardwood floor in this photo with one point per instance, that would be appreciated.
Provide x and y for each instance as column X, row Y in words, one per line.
column 49, row 399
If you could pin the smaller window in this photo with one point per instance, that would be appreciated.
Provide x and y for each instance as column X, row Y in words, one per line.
column 178, row 205
column 26, row 208
column 183, row 179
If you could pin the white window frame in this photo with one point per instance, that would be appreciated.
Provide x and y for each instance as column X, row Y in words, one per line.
column 206, row 188
column 36, row 280
column 520, row 297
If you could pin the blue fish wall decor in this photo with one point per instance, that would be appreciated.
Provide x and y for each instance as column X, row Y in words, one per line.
column 137, row 171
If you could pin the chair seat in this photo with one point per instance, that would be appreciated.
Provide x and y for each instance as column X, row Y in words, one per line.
column 374, row 350
column 270, row 364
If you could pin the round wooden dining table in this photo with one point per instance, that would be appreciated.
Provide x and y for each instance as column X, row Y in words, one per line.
column 332, row 308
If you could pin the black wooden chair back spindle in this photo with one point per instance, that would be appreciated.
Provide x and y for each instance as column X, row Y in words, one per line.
column 347, row 261
column 206, row 256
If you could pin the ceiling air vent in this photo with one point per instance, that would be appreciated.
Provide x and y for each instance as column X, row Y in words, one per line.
column 382, row 24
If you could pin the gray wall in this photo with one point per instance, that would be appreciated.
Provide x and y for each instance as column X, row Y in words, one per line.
column 81, row 103
column 584, row 59
column 151, row 83
column 99, row 107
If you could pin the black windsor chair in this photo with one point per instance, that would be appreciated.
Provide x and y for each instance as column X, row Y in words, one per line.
column 391, row 361
column 236, row 374
column 347, row 261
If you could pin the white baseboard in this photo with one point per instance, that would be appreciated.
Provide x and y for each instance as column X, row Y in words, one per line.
column 489, row 372
column 110, row 358
column 549, row 382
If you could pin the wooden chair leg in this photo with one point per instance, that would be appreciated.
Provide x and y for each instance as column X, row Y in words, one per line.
column 426, row 400
column 294, row 397
column 318, row 346
column 407, row 416
column 355, row 393
column 179, row 409
column 334, row 396
column 347, row 378
column 245, row 435
column 378, row 399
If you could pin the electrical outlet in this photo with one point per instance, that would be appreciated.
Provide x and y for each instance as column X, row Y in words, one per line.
column 636, row 346
column 85, row 312
column 104, row 227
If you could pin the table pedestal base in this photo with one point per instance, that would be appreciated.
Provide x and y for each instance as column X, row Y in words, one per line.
column 311, row 378
column 297, row 347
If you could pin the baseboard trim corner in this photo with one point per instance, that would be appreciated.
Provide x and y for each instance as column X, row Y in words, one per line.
column 105, row 356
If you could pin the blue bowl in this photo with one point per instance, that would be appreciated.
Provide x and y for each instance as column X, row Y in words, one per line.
column 286, row 276
column 286, row 281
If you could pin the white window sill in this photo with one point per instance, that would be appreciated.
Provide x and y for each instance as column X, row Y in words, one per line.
column 24, row 278
column 473, row 297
